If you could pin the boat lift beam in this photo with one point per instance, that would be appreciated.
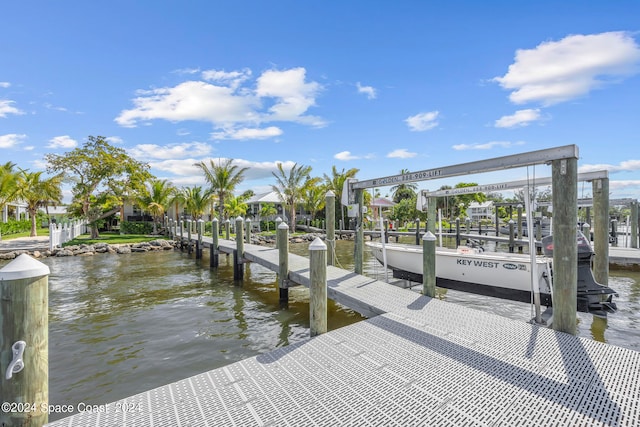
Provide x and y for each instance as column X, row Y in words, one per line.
column 531, row 158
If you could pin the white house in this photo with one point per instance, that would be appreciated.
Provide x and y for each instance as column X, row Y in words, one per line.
column 477, row 211
column 14, row 210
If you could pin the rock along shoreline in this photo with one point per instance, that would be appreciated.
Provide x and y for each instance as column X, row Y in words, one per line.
column 128, row 248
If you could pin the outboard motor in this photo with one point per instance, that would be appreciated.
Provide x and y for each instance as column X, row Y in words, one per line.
column 593, row 297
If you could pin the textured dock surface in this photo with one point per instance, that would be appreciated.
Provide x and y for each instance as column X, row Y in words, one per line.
column 421, row 362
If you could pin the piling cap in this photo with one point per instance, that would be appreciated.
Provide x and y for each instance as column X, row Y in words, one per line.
column 428, row 236
column 330, row 194
column 283, row 225
column 23, row 267
column 317, row 245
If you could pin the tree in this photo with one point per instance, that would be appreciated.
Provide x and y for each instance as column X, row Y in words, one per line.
column 37, row 192
column 236, row 206
column 267, row 210
column 196, row 200
column 223, row 178
column 102, row 175
column 335, row 182
column 156, row 199
column 8, row 178
column 314, row 197
column 405, row 190
column 290, row 188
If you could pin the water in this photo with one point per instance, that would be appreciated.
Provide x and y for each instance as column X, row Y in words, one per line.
column 123, row 324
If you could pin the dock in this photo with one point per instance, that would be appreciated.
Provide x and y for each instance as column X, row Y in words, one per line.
column 414, row 361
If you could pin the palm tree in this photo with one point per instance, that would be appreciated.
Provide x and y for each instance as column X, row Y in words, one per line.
column 235, row 206
column 290, row 188
column 37, row 192
column 404, row 191
column 267, row 210
column 8, row 178
column 196, row 200
column 223, row 178
column 156, row 199
column 314, row 196
column 335, row 183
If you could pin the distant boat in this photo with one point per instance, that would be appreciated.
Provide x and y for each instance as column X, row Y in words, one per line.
column 498, row 274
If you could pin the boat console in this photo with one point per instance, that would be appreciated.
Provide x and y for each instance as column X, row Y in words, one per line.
column 593, row 297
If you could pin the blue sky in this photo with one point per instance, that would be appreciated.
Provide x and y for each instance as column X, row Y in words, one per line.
column 378, row 86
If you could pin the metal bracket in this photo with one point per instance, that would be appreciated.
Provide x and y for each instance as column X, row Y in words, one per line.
column 16, row 364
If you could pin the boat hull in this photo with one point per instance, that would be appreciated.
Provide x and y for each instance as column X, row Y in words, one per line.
column 495, row 274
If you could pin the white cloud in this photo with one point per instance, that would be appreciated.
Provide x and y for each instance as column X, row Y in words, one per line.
column 7, row 108
column 226, row 100
column 5, row 84
column 345, row 155
column 487, row 146
column 367, row 90
column 294, row 96
column 624, row 166
column 623, row 185
column 114, row 140
column 171, row 151
column 11, row 140
column 401, row 153
column 559, row 71
column 232, row 79
column 520, row 118
column 248, row 133
column 64, row 141
column 423, row 121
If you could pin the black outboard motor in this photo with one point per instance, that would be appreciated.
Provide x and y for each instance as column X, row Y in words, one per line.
column 593, row 297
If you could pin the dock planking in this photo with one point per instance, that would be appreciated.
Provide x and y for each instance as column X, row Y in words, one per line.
column 415, row 361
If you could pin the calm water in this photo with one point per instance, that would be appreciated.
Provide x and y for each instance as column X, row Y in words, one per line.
column 120, row 325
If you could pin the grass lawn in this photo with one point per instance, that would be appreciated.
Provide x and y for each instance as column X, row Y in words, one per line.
column 41, row 232
column 112, row 238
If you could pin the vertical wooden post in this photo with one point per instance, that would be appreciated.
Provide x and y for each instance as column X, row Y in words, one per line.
column 200, row 230
column 171, row 231
column 278, row 222
column 586, row 230
column 181, row 234
column 247, row 231
column 213, row 249
column 432, row 216
column 359, row 237
column 189, row 236
column 227, row 227
column 330, row 211
column 634, row 224
column 282, row 237
column 24, row 334
column 600, row 189
column 511, row 236
column 238, row 267
column 417, row 231
column 520, row 231
column 318, row 287
column 565, row 251
column 429, row 264
column 457, row 232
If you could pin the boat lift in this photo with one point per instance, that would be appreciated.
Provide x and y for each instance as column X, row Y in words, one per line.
column 564, row 165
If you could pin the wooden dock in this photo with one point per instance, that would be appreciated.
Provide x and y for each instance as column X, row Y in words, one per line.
column 415, row 361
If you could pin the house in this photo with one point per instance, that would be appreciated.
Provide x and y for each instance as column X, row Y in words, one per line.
column 257, row 201
column 478, row 211
column 14, row 210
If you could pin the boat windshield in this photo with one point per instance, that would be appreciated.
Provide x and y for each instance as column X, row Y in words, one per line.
column 584, row 246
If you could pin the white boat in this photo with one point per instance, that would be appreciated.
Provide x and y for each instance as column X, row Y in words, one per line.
column 498, row 274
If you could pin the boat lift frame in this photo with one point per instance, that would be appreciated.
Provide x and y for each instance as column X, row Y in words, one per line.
column 563, row 161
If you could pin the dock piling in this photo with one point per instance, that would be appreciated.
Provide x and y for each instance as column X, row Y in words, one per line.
column 429, row 264
column 238, row 270
column 24, row 342
column 330, row 209
column 318, row 287
column 200, row 229
column 282, row 237
column 213, row 249
column 189, row 236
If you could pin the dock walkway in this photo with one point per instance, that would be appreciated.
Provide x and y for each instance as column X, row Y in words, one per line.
column 420, row 361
